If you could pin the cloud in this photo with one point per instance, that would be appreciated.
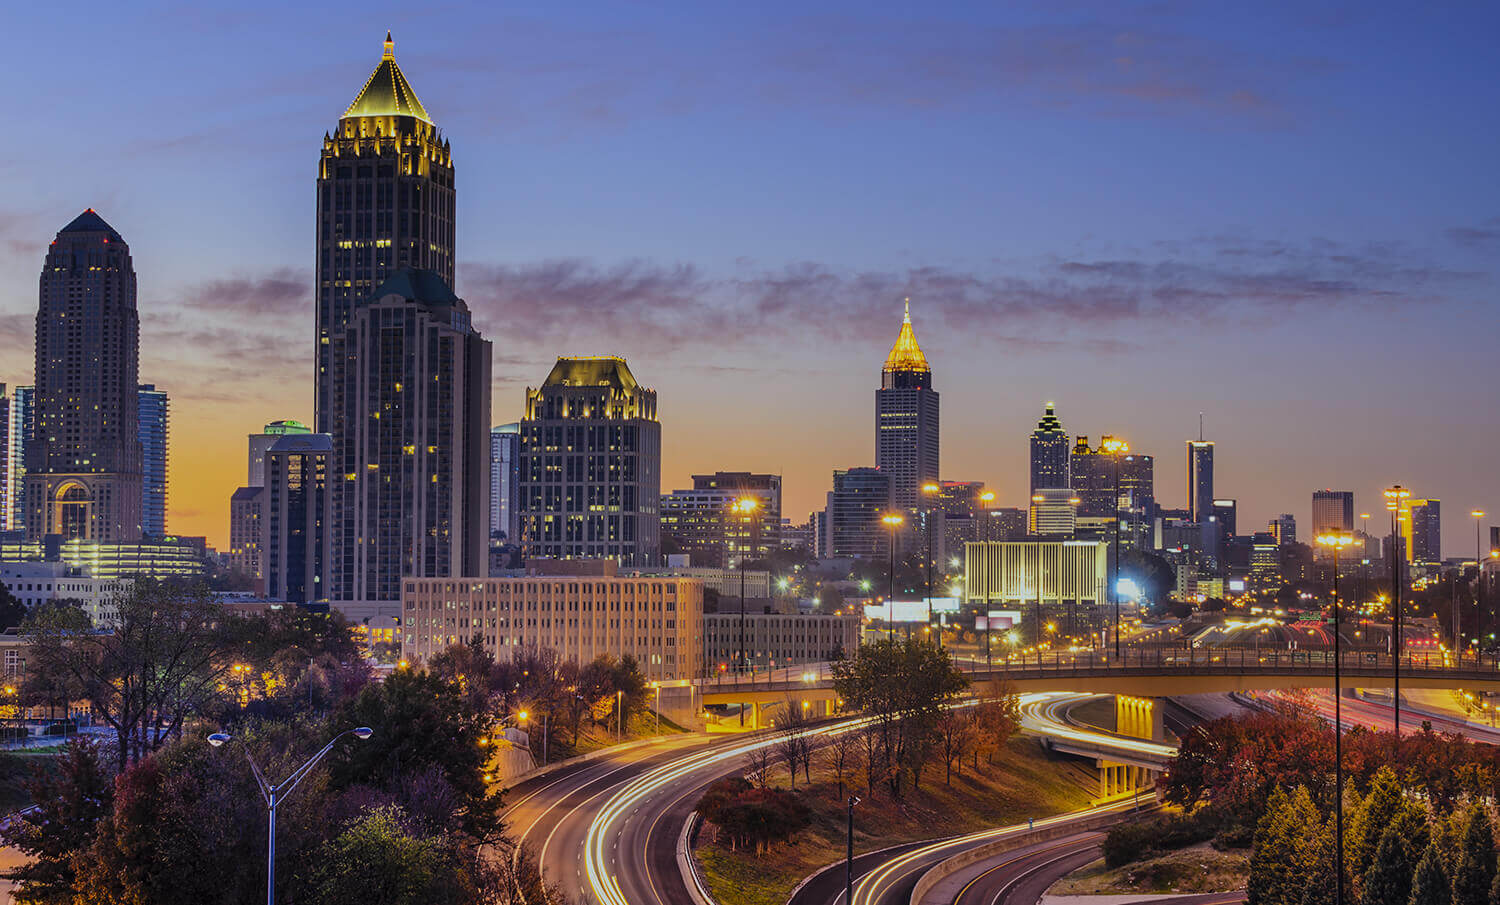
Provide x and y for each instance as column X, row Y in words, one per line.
column 283, row 291
column 1484, row 235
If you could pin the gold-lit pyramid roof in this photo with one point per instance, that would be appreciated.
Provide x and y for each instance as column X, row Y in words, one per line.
column 387, row 93
column 906, row 355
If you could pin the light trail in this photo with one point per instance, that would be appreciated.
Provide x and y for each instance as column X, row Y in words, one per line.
column 1041, row 713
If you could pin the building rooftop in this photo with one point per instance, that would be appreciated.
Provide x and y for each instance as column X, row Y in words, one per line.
column 906, row 355
column 296, row 443
column 90, row 222
column 604, row 370
column 386, row 92
column 426, row 286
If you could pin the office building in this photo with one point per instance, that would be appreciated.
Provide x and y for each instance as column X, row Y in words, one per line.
column 906, row 420
column 954, row 516
column 163, row 558
column 1420, row 523
column 1053, row 512
column 505, row 480
column 1118, row 485
column 1200, row 479
column 1332, row 510
column 412, row 499
column 1049, row 453
column 1065, row 580
column 152, row 426
column 658, row 621
column 297, row 518
column 255, row 475
column 20, row 422
column 245, row 512
column 38, row 583
column 773, row 640
column 1226, row 514
column 591, row 465
column 83, row 459
column 385, row 203
column 726, row 583
column 703, row 524
column 852, row 520
column 1283, row 528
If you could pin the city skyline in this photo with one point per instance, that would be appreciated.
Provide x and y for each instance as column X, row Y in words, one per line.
column 224, row 326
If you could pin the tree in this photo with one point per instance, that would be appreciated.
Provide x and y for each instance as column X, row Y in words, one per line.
column 1280, row 867
column 1430, row 886
column 840, row 754
column 956, row 732
column 1389, row 876
column 1474, row 871
column 378, row 858
column 758, row 763
column 163, row 662
column 792, row 744
column 12, row 611
column 70, row 803
column 1319, row 867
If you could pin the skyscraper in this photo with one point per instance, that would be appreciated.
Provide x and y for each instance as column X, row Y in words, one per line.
column 413, row 500
column 1332, row 510
column 906, row 419
column 1200, row 479
column 1049, row 453
column 1420, row 523
column 152, row 418
column 245, row 521
column 83, row 459
column 700, row 523
column 20, row 420
column 859, row 498
column 591, row 464
column 296, row 506
column 385, row 202
column 257, row 444
column 505, row 479
column 1115, row 485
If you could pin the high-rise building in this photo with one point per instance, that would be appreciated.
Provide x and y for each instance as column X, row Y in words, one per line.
column 700, row 522
column 1062, row 581
column 1053, row 512
column 83, row 459
column 1049, row 453
column 1200, row 479
column 20, row 418
column 1113, row 485
column 505, row 480
column 385, row 202
column 591, row 465
column 414, row 479
column 1332, row 510
column 1226, row 513
column 296, row 517
column 852, row 521
column 1283, row 528
column 152, row 420
column 906, row 420
column 245, row 519
column 1420, row 523
column 258, row 444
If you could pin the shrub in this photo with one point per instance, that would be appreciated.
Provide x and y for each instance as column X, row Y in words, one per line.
column 1137, row 840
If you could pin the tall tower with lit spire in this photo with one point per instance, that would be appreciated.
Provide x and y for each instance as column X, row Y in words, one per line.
column 385, row 203
column 906, row 420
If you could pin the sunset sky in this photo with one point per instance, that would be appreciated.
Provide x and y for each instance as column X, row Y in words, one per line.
column 1286, row 216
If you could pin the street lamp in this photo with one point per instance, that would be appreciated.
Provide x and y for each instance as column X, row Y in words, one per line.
column 1337, row 540
column 1394, row 495
column 744, row 506
column 1478, row 582
column 1115, row 448
column 928, row 490
column 986, row 497
column 849, row 856
column 893, row 521
column 276, row 794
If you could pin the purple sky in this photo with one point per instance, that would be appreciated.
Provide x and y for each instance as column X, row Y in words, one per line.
column 1283, row 215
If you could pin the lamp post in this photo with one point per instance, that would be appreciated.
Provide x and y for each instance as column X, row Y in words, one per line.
column 1394, row 495
column 927, row 490
column 745, row 505
column 849, row 856
column 1115, row 448
column 1335, row 540
column 986, row 497
column 893, row 521
column 1478, row 583
column 276, row 794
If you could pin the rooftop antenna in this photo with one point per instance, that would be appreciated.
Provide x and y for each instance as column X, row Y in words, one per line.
column 1200, row 427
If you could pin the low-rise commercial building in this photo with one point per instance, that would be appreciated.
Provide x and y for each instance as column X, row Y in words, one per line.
column 657, row 620
column 776, row 639
column 1063, row 581
column 36, row 583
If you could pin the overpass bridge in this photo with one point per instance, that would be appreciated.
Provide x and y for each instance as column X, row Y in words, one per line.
column 1139, row 673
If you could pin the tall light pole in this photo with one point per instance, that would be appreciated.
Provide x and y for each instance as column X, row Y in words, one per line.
column 1394, row 495
column 849, row 856
column 744, row 506
column 986, row 497
column 1478, row 584
column 1115, row 448
column 1336, row 540
column 276, row 794
column 928, row 490
column 893, row 521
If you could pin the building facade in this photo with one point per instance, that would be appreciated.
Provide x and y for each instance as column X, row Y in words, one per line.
column 153, row 426
column 167, row 557
column 1062, row 581
column 257, row 444
column 1115, row 486
column 590, row 482
column 906, row 420
column 297, row 518
column 658, row 621
column 1049, row 453
column 20, row 423
column 1053, row 512
column 1200, row 479
column 245, row 520
column 776, row 639
column 702, row 523
column 505, row 480
column 385, row 202
column 1332, row 510
column 83, row 459
column 37, row 583
column 413, row 489
column 852, row 519
column 1420, row 523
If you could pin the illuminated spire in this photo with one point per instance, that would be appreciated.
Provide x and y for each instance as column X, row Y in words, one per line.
column 386, row 92
column 906, row 355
